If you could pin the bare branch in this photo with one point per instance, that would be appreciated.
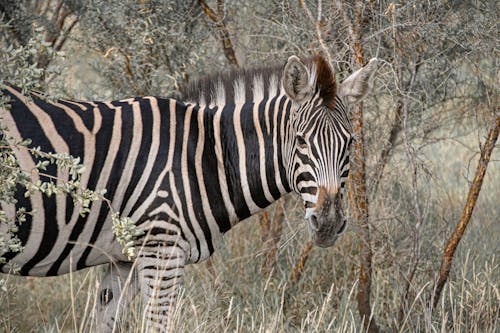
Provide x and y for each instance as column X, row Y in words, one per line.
column 222, row 30
column 386, row 151
column 56, row 35
column 456, row 235
column 317, row 28
column 353, row 28
column 415, row 258
column 62, row 40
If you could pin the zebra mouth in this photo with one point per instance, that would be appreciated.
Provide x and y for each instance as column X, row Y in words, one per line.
column 322, row 240
column 325, row 232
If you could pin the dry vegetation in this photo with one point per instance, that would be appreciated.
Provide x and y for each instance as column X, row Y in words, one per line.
column 239, row 298
column 435, row 100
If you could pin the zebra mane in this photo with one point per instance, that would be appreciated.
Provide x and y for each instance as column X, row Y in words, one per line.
column 240, row 85
column 236, row 85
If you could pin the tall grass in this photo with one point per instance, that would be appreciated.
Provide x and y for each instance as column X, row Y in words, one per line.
column 238, row 298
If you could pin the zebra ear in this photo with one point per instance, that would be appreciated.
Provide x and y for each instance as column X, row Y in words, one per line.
column 357, row 85
column 296, row 79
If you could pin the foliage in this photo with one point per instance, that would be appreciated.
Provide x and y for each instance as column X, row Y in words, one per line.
column 18, row 68
column 146, row 46
column 21, row 70
column 126, row 232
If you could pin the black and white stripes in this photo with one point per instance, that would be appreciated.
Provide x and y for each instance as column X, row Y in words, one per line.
column 184, row 172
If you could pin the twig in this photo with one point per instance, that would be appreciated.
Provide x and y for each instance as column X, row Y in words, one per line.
column 386, row 151
column 127, row 67
column 396, row 127
column 354, row 34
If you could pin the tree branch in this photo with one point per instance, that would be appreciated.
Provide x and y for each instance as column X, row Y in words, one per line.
column 456, row 235
column 59, row 43
column 220, row 24
column 385, row 153
column 55, row 33
column 396, row 126
column 317, row 27
column 359, row 204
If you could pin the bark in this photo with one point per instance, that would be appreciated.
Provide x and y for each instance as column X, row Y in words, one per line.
column 456, row 235
column 359, row 205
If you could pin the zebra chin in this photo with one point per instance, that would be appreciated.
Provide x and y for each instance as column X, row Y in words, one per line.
column 324, row 232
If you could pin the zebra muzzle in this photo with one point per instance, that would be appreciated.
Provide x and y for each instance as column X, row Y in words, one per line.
column 328, row 220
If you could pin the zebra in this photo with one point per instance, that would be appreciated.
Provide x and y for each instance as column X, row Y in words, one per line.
column 185, row 172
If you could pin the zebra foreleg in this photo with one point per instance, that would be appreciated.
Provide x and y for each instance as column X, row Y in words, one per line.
column 116, row 290
column 160, row 269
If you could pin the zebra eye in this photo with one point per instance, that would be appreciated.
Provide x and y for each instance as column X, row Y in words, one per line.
column 301, row 142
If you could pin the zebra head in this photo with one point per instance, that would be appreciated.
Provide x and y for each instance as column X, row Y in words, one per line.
column 319, row 139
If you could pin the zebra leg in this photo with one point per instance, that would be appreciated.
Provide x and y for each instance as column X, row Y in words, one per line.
column 160, row 268
column 116, row 290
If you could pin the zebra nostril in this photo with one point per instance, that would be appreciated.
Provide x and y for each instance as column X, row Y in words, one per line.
column 314, row 222
column 342, row 227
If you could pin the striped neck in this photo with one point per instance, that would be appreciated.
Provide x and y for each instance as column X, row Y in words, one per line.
column 250, row 141
column 251, row 123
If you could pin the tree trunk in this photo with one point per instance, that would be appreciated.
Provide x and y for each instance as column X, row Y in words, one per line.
column 359, row 206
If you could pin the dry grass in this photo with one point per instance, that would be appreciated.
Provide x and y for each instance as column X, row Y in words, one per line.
column 237, row 297
column 240, row 299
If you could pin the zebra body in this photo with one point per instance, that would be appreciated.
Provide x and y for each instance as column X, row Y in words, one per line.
column 184, row 172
